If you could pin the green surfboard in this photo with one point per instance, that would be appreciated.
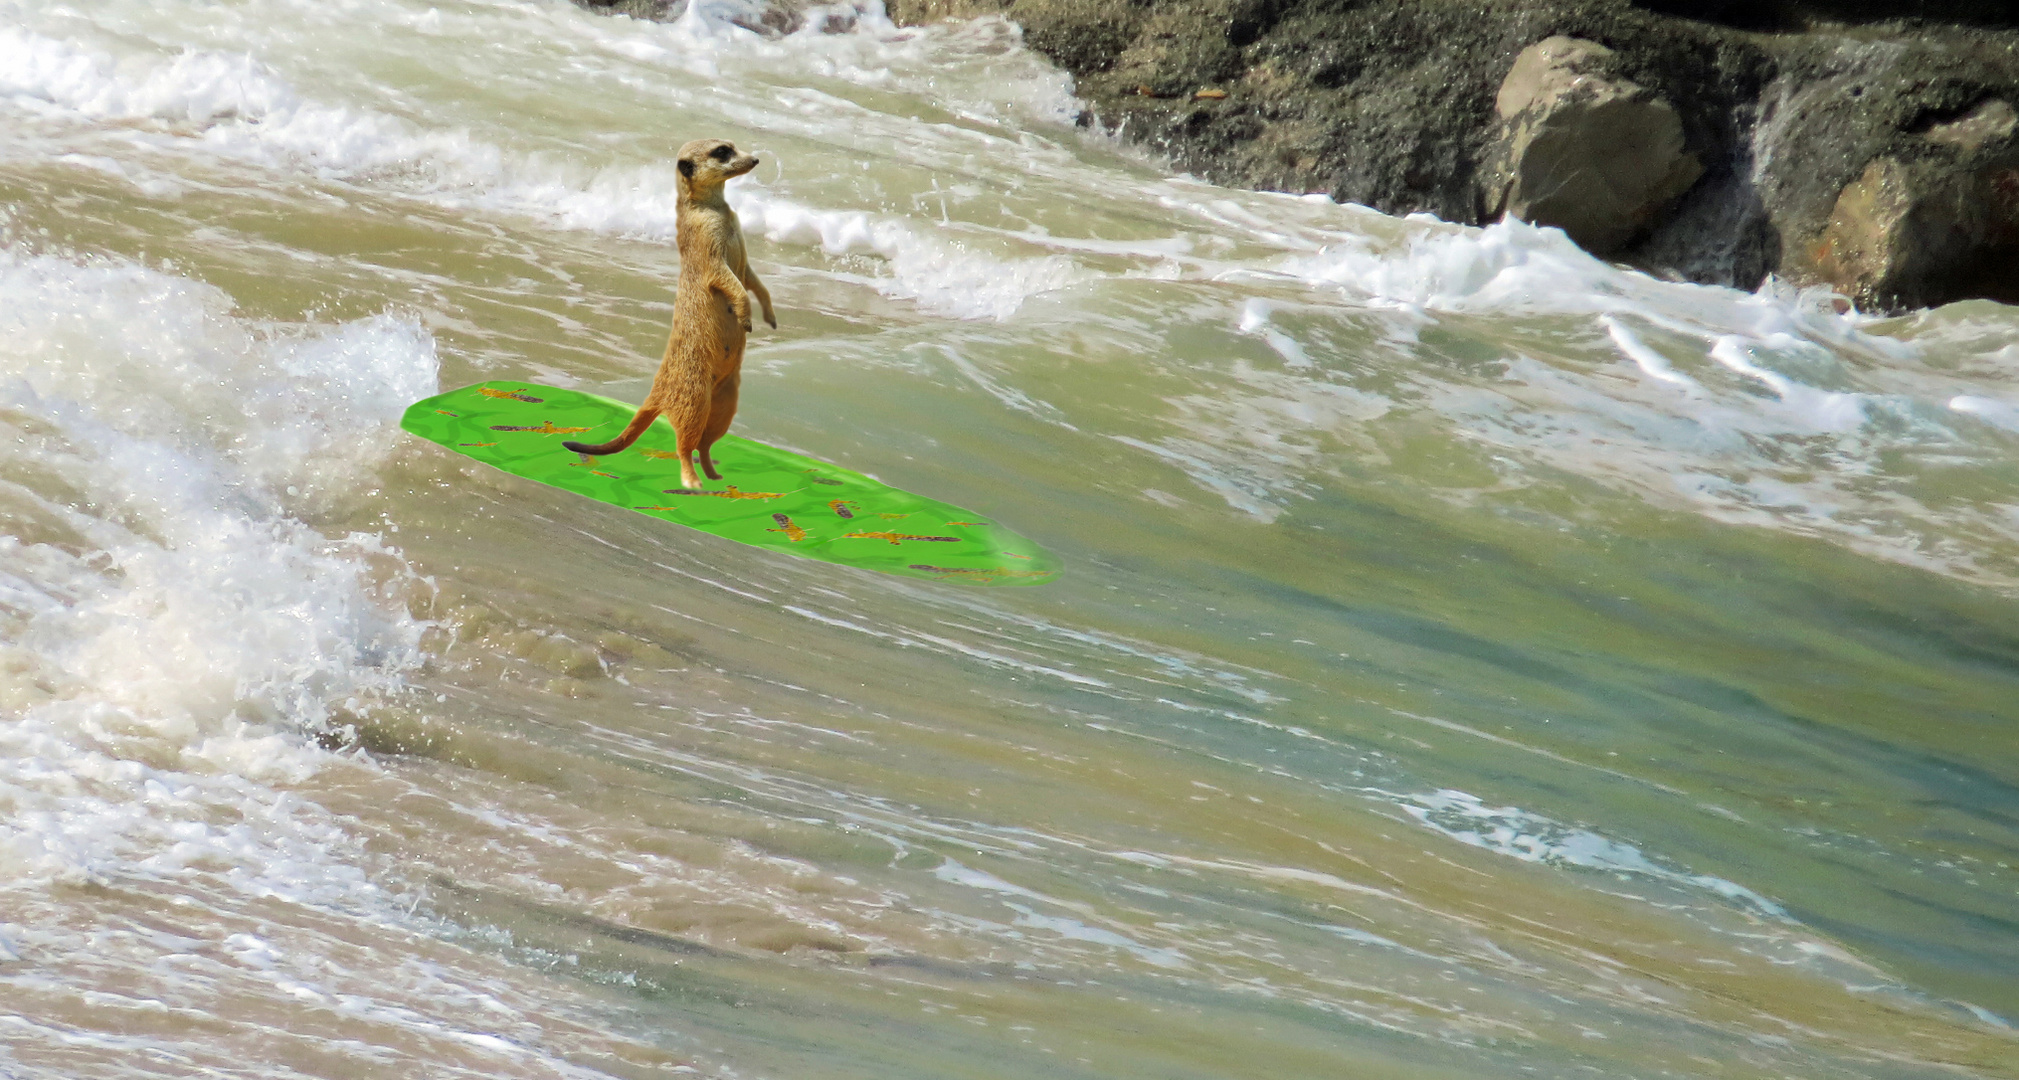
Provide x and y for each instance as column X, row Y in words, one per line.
column 768, row 498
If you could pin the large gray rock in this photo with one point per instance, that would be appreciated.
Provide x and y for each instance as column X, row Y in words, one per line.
column 1840, row 148
column 1873, row 164
column 1389, row 103
column 1594, row 154
column 1910, row 230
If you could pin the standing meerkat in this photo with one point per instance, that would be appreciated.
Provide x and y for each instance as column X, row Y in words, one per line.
column 698, row 378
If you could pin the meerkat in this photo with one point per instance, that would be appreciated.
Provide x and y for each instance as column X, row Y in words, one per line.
column 701, row 372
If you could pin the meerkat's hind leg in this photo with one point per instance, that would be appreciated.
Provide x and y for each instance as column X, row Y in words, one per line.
column 688, row 444
column 721, row 411
column 688, row 413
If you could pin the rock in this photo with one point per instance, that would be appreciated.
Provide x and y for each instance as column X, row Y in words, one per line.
column 1906, row 232
column 1989, row 123
column 1784, row 15
column 1416, row 105
column 1861, row 144
column 1594, row 155
column 637, row 9
column 1388, row 103
column 1866, row 244
column 1890, row 168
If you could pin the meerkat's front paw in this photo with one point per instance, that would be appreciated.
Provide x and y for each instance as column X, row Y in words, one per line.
column 771, row 320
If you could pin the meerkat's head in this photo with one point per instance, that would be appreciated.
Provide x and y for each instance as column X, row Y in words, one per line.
column 706, row 164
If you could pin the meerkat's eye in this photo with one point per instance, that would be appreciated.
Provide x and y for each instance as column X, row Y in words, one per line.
column 722, row 153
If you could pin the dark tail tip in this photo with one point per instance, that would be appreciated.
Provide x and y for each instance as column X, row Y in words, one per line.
column 581, row 449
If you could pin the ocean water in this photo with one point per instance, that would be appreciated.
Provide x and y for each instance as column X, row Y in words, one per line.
column 1474, row 660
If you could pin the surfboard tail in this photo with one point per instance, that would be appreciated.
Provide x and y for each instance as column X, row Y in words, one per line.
column 629, row 435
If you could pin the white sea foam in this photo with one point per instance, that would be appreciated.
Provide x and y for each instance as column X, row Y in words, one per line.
column 1769, row 408
column 856, row 42
column 1772, row 408
column 1992, row 411
column 1512, row 266
column 1826, row 410
column 1059, row 926
column 1652, row 363
column 236, row 106
column 39, row 72
column 1255, row 315
column 1533, row 838
column 174, row 636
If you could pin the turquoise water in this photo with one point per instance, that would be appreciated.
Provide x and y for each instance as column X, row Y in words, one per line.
column 1472, row 660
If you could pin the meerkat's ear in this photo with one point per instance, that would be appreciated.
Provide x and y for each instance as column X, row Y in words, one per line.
column 687, row 168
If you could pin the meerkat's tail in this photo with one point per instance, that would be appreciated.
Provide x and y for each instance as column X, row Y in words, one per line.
column 630, row 435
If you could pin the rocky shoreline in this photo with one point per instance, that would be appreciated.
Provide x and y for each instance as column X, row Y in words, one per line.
column 1829, row 142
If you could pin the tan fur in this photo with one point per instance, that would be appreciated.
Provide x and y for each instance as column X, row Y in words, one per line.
column 696, row 387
